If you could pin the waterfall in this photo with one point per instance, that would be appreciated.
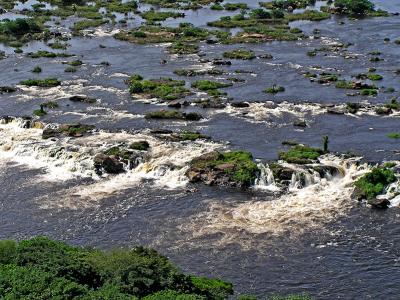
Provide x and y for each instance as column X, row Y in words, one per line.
column 265, row 179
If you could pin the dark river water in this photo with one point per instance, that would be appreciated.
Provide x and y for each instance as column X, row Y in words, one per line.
column 315, row 241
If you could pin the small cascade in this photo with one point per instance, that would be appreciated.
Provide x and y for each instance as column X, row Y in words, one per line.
column 303, row 179
column 265, row 179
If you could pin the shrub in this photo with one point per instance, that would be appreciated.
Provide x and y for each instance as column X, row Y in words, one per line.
column 239, row 54
column 394, row 135
column 205, row 85
column 301, row 154
column 48, row 82
column 274, row 89
column 355, row 7
column 19, row 26
column 374, row 182
column 141, row 145
column 37, row 69
column 41, row 268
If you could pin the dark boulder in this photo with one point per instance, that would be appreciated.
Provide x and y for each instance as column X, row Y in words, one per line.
column 107, row 163
column 240, row 104
column 379, row 203
column 82, row 99
column 300, row 123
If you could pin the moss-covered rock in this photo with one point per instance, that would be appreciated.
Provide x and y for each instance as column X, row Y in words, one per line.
column 235, row 168
column 301, row 154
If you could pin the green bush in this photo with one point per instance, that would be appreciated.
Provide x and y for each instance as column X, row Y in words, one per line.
column 242, row 169
column 355, row 7
column 19, row 26
column 48, row 82
column 205, row 85
column 374, row 182
column 239, row 54
column 301, row 154
column 41, row 268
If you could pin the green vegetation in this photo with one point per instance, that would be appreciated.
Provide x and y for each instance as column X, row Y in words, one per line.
column 239, row 54
column 42, row 53
column 140, row 145
column 286, row 4
column 41, row 268
column 393, row 135
column 163, row 88
column 301, row 154
column 154, row 16
column 235, row 6
column 70, row 69
column 374, row 182
column 207, row 85
column 20, row 31
column 354, row 7
column 84, row 24
column 393, row 104
column 186, row 135
column 48, row 82
column 274, row 89
column 239, row 165
column 36, row 69
column 40, row 112
column 75, row 63
column 173, row 114
column 183, row 48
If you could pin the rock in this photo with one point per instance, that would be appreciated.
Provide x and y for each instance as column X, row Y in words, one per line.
column 336, row 111
column 266, row 56
column 161, row 131
column 7, row 89
column 108, row 163
column 174, row 104
column 383, row 110
column 221, row 62
column 379, row 203
column 240, row 104
column 225, row 167
column 281, row 173
column 357, row 194
column 82, row 99
column 50, row 131
column 38, row 125
column 212, row 41
column 324, row 170
column 6, row 119
column 211, row 103
column 177, row 104
column 300, row 123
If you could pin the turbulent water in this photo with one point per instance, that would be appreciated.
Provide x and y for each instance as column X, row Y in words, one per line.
column 307, row 237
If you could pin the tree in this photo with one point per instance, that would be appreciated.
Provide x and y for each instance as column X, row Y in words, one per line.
column 355, row 7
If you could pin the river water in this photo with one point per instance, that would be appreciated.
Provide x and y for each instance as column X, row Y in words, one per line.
column 313, row 239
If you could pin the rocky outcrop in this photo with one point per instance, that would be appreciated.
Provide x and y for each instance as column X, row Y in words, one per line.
column 107, row 163
column 232, row 169
column 72, row 130
column 379, row 203
column 82, row 99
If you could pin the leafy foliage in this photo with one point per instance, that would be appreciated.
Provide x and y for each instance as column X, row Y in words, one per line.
column 374, row 182
column 41, row 268
column 301, row 154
